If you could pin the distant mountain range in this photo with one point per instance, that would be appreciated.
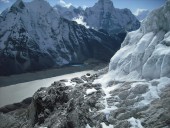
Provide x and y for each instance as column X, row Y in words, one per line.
column 103, row 15
column 34, row 36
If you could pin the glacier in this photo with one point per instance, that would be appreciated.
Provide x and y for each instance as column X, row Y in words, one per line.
column 142, row 64
column 146, row 51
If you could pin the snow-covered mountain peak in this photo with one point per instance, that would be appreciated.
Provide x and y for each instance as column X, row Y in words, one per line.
column 17, row 6
column 103, row 16
column 105, row 2
column 39, row 6
column 18, row 3
column 71, row 7
column 37, row 38
column 106, row 5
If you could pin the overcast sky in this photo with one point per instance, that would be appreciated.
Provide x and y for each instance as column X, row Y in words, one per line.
column 133, row 5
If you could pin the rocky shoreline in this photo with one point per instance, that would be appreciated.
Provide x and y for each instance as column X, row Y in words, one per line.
column 81, row 103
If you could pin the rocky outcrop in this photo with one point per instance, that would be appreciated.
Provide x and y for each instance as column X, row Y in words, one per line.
column 63, row 106
column 88, row 104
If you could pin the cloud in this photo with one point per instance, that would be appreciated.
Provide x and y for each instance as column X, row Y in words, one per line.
column 139, row 11
column 5, row 1
column 80, row 20
column 64, row 4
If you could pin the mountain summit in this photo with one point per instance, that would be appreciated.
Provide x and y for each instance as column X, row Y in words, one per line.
column 17, row 6
column 103, row 15
column 34, row 36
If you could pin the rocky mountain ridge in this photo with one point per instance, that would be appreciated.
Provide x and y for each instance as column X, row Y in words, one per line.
column 103, row 15
column 35, row 37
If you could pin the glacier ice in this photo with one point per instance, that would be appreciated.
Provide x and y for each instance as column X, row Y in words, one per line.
column 146, row 51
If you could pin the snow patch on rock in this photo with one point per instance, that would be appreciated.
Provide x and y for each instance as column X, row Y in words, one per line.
column 135, row 123
column 90, row 91
column 105, row 126
column 154, row 91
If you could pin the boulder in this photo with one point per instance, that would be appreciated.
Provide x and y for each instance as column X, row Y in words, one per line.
column 77, row 80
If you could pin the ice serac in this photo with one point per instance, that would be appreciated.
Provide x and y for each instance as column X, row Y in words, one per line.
column 34, row 36
column 145, row 53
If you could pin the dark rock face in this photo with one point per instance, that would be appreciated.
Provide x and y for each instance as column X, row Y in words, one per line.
column 140, row 89
column 32, row 39
column 81, row 109
column 77, row 80
column 159, row 112
column 45, row 101
column 65, row 107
